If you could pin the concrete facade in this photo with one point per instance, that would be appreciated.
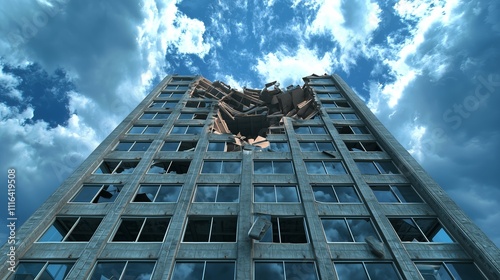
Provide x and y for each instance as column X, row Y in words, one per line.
column 362, row 207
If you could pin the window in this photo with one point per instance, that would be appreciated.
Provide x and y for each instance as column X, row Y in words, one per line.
column 319, row 81
column 71, row 229
column 163, row 104
column 328, row 95
column 198, row 104
column 366, row 270
column 272, row 167
column 325, row 167
column 343, row 116
column 211, row 229
column 141, row 230
column 223, row 147
column 186, row 129
column 363, row 146
column 155, row 116
column 177, row 87
column 217, row 193
column 158, row 193
column 348, row 229
column 396, row 194
column 274, row 147
column 335, row 194
column 42, row 270
column 285, row 270
column 144, row 129
column 116, row 167
column 420, row 230
column 179, row 146
column 314, row 146
column 211, row 270
column 276, row 130
column 309, row 130
column 335, row 104
column 132, row 146
column 286, row 230
column 182, row 80
column 167, row 166
column 324, row 87
column 449, row 270
column 171, row 94
column 377, row 167
column 121, row 270
column 222, row 166
column 193, row 116
column 275, row 193
column 97, row 193
column 346, row 129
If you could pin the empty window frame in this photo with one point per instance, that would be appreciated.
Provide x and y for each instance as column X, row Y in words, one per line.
column 198, row 104
column 204, row 270
column 221, row 167
column 275, row 193
column 335, row 104
column 343, row 116
column 309, row 130
column 163, row 104
column 71, row 229
column 348, row 229
column 187, row 129
column 363, row 146
column 396, row 194
column 276, row 130
column 325, row 167
column 193, row 116
column 335, row 194
column 42, row 270
column 420, row 230
column 155, row 116
column 211, row 229
column 274, row 270
column 176, row 87
column 128, row 146
column 179, row 146
column 286, row 230
column 169, row 166
column 346, row 129
column 272, row 167
column 366, row 270
column 217, row 193
column 150, row 229
column 171, row 94
column 94, row 193
column 144, row 129
column 314, row 146
column 449, row 270
column 377, row 167
column 328, row 95
column 116, row 167
column 223, row 147
column 121, row 270
column 158, row 193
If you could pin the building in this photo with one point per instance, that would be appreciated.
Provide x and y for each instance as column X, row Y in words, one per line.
column 202, row 181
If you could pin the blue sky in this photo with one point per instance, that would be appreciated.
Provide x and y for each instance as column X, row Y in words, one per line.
column 70, row 71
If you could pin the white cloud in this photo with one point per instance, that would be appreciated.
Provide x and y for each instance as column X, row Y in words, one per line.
column 9, row 82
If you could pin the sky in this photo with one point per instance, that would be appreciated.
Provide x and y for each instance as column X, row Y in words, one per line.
column 70, row 71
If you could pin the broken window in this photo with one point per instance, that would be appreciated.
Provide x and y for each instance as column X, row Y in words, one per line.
column 208, row 270
column 314, row 146
column 309, row 130
column 348, row 229
column 198, row 104
column 272, row 167
column 449, row 270
column 179, row 146
column 121, row 270
column 286, row 230
column 221, row 166
column 217, row 193
column 151, row 229
column 280, row 270
column 193, row 116
column 97, row 193
column 335, row 194
column 187, row 129
column 132, row 146
column 163, row 104
column 377, row 167
column 158, row 193
column 276, row 193
column 366, row 270
column 116, row 167
column 171, row 94
column 420, row 230
column 71, row 229
column 42, row 270
column 363, row 146
column 144, row 129
column 325, row 167
column 223, row 147
column 346, row 129
column 396, row 194
column 154, row 116
column 171, row 167
column 211, row 229
column 343, row 116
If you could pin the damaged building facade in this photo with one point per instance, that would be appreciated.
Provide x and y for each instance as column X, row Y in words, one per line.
column 204, row 181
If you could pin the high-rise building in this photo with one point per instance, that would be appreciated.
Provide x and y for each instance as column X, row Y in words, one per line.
column 202, row 181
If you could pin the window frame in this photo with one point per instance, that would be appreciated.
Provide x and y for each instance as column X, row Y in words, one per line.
column 274, row 186
column 187, row 128
column 204, row 266
column 350, row 127
column 97, row 194
column 378, row 168
column 221, row 166
column 348, row 227
column 276, row 221
column 325, row 169
column 272, row 166
column 362, row 143
column 130, row 149
column 70, row 230
column 179, row 145
column 155, row 115
column 363, row 263
column 284, row 267
column 420, row 230
column 119, row 165
column 316, row 146
column 310, row 131
column 216, row 193
column 211, row 230
column 444, row 264
column 144, row 130
column 160, row 186
column 168, row 170
column 227, row 145
column 332, row 186
column 125, row 266
column 45, row 264
column 395, row 194
column 142, row 227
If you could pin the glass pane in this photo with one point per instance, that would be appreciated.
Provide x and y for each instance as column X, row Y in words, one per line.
column 315, row 167
column 262, row 167
column 384, row 271
column 108, row 270
column 279, row 147
column 128, row 230
column 283, row 167
column 384, row 194
column 292, row 230
column 216, row 146
column 162, row 116
column 147, row 116
column 318, row 130
column 232, row 167
column 198, row 229
column 152, row 129
column 346, row 194
column 168, row 194
column 223, row 229
column 107, row 167
column 178, row 130
column 351, row 271
column 84, row 229
column 58, row 230
column 302, row 130
column 228, row 194
column 434, row 271
column 349, row 116
column 433, row 230
column 154, row 230
column 192, row 271
column 406, row 194
column 325, row 146
column 126, row 167
column 211, row 167
column 264, row 194
column 334, row 168
column 170, row 146
column 286, row 194
column 219, row 271
column 324, row 194
column 108, row 194
column 205, row 194
column 28, row 270
column 387, row 167
column 123, row 146
column 360, row 130
column 308, row 146
column 194, row 130
column 137, row 129
column 269, row 271
column 87, row 193
column 141, row 146
column 300, row 270
column 367, row 168
column 361, row 229
column 464, row 271
column 146, row 193
column 335, row 116
column 56, row 271
column 336, row 230
column 156, row 104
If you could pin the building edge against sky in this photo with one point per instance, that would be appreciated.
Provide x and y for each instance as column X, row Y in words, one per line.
column 341, row 194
